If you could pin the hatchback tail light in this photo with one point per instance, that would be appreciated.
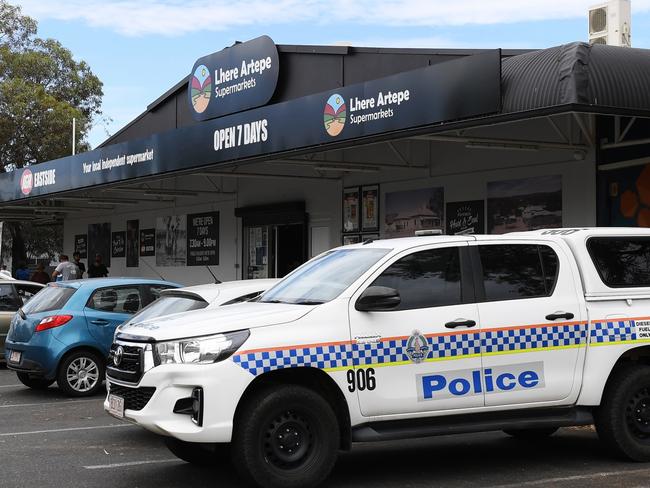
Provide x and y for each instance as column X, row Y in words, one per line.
column 53, row 321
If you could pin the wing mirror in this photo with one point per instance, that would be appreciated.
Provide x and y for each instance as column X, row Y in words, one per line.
column 378, row 298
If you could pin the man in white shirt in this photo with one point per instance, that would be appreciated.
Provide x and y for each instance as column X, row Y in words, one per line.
column 65, row 269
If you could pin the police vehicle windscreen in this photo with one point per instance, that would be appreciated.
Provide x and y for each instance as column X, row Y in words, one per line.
column 169, row 304
column 323, row 279
column 49, row 298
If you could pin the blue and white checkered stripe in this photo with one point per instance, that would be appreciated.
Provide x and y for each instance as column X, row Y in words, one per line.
column 609, row 331
column 496, row 341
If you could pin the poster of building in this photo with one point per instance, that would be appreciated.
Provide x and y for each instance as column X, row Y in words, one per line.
column 351, row 209
column 524, row 204
column 81, row 244
column 171, row 240
column 118, row 244
column 203, row 239
column 465, row 217
column 628, row 197
column 147, row 242
column 132, row 243
column 99, row 242
column 411, row 210
column 370, row 208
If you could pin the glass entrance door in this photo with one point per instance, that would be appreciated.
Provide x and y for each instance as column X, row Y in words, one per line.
column 273, row 251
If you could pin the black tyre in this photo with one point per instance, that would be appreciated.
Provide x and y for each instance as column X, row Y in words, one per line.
column 623, row 418
column 81, row 374
column 34, row 382
column 531, row 434
column 286, row 437
column 198, row 453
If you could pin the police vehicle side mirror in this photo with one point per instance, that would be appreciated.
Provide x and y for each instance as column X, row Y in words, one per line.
column 378, row 298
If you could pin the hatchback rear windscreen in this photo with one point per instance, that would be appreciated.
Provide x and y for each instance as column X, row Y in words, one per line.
column 621, row 262
column 49, row 298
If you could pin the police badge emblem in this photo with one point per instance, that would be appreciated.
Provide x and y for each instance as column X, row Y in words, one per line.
column 417, row 347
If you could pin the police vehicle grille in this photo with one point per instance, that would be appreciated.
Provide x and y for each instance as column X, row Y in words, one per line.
column 130, row 368
column 134, row 398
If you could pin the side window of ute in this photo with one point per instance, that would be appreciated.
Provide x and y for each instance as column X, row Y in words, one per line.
column 425, row 279
column 517, row 271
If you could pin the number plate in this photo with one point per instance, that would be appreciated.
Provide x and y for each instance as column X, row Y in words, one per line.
column 116, row 406
column 14, row 357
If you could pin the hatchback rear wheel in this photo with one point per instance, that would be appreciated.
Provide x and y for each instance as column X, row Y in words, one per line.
column 81, row 374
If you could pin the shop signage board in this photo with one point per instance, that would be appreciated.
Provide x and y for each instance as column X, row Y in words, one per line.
column 147, row 242
column 237, row 78
column 81, row 245
column 452, row 90
column 203, row 239
column 465, row 217
column 118, row 244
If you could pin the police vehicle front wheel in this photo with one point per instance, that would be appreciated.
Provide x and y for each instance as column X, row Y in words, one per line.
column 197, row 453
column 623, row 418
column 287, row 437
column 531, row 434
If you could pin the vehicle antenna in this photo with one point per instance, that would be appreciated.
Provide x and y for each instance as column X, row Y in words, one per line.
column 216, row 280
column 154, row 270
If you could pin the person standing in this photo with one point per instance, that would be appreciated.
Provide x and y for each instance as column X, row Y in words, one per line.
column 77, row 260
column 66, row 270
column 97, row 269
column 40, row 276
column 22, row 273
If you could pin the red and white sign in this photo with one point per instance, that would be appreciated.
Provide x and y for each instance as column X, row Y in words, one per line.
column 26, row 182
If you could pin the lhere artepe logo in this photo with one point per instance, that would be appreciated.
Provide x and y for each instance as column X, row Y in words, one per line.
column 334, row 115
column 26, row 182
column 201, row 88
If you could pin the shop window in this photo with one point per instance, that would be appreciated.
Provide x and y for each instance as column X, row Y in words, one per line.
column 425, row 279
column 621, row 261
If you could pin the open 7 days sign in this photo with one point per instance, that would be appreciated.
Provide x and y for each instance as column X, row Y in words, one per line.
column 237, row 78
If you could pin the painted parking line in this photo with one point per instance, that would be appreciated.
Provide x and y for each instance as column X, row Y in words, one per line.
column 133, row 463
column 63, row 402
column 12, row 386
column 566, row 479
column 69, row 429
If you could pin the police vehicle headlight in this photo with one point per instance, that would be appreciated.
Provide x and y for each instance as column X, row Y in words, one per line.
column 199, row 350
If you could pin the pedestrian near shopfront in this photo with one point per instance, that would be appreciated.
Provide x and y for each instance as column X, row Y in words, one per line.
column 66, row 270
column 77, row 260
column 40, row 276
column 97, row 269
column 22, row 273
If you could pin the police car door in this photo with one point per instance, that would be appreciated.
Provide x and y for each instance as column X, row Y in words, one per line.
column 420, row 352
column 531, row 318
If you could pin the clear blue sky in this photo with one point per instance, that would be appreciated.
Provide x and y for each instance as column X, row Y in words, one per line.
column 140, row 48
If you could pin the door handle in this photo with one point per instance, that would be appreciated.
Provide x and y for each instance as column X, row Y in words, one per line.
column 99, row 322
column 560, row 315
column 460, row 323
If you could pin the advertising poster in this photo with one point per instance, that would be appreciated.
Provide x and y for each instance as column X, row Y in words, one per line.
column 628, row 197
column 99, row 242
column 132, row 243
column 171, row 240
column 370, row 207
column 465, row 217
column 81, row 245
column 411, row 210
column 351, row 239
column 524, row 204
column 147, row 242
column 118, row 244
column 203, row 239
column 351, row 209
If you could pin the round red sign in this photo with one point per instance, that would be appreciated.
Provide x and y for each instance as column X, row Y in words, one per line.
column 26, row 182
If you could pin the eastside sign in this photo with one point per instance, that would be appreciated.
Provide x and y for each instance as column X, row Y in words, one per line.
column 237, row 78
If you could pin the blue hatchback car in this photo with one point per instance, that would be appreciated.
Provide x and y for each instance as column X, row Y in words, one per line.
column 65, row 332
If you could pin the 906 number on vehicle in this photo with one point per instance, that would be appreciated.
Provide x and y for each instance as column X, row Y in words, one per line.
column 361, row 379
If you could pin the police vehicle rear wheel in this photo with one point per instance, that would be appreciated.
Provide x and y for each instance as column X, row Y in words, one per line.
column 81, row 374
column 287, row 437
column 34, row 383
column 197, row 453
column 531, row 434
column 623, row 418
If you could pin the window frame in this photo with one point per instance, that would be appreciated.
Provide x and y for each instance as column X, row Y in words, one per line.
column 15, row 297
column 477, row 266
column 610, row 238
column 92, row 294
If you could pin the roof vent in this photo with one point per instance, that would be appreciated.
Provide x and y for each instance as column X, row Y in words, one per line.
column 610, row 23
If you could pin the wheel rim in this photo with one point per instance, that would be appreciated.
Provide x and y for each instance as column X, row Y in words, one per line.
column 637, row 414
column 289, row 440
column 82, row 374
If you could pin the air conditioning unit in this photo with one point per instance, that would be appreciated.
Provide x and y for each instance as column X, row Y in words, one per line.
column 611, row 23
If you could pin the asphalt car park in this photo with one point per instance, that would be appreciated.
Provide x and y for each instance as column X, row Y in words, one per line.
column 50, row 440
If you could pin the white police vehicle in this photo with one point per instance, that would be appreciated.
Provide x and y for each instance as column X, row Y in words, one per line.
column 404, row 338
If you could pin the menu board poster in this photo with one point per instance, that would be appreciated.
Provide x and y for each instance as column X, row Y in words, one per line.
column 370, row 207
column 118, row 244
column 132, row 243
column 465, row 217
column 147, row 242
column 351, row 200
column 203, row 239
column 81, row 245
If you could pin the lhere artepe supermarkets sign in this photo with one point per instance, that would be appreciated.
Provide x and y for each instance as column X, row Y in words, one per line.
column 237, row 78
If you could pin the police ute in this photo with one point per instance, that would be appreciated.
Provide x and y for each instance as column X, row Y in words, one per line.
column 403, row 338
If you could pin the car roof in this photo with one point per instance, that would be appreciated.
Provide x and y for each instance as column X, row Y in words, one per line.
column 226, row 290
column 102, row 282
column 24, row 282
